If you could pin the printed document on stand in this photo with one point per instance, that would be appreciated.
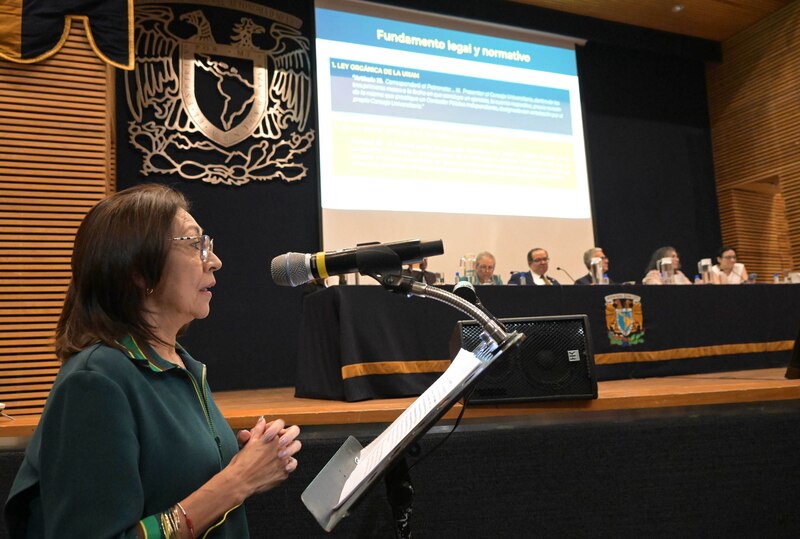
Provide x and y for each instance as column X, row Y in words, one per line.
column 371, row 456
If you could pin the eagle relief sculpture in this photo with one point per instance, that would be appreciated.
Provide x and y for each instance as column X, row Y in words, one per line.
column 221, row 112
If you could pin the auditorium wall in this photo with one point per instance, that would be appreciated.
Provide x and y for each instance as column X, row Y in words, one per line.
column 651, row 175
column 56, row 162
column 755, row 123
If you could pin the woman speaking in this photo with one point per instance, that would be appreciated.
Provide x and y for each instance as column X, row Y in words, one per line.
column 130, row 442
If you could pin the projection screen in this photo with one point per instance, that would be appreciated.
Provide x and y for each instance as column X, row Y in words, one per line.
column 441, row 128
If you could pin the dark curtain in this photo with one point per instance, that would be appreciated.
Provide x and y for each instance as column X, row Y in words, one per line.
column 650, row 158
column 250, row 337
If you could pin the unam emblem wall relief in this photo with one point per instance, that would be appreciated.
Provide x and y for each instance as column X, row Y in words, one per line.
column 227, row 103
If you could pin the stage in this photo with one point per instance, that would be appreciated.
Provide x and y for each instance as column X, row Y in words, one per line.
column 703, row 455
column 242, row 408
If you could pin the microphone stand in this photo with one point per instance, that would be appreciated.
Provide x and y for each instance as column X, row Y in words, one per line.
column 399, row 487
column 404, row 284
column 385, row 267
column 559, row 268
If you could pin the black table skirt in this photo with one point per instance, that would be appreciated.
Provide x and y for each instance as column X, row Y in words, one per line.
column 363, row 342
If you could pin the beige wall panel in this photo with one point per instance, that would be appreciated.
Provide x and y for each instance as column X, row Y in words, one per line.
column 754, row 105
column 55, row 164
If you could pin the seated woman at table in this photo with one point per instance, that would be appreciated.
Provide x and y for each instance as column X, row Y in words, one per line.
column 727, row 270
column 653, row 275
column 131, row 443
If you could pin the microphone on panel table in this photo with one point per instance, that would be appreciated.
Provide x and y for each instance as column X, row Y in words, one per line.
column 559, row 268
column 294, row 269
column 466, row 290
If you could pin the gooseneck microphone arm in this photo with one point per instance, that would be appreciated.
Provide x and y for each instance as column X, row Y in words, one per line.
column 739, row 275
column 559, row 268
column 466, row 291
column 407, row 285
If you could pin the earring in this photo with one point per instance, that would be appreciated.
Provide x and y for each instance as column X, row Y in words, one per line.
column 149, row 291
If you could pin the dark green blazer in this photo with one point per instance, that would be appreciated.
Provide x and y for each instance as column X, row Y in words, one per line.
column 124, row 436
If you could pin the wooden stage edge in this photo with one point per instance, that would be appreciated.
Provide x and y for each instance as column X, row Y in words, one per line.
column 242, row 408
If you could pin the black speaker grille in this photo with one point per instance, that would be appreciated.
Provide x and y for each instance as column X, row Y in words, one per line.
column 554, row 361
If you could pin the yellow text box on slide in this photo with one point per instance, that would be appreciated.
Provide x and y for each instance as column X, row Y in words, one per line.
column 445, row 155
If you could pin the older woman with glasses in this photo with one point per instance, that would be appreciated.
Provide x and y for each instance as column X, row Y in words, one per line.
column 131, row 443
column 727, row 270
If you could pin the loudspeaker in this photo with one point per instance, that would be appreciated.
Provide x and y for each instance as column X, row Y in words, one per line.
column 554, row 362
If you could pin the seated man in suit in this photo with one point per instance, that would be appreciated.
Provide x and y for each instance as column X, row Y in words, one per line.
column 484, row 269
column 538, row 261
column 594, row 252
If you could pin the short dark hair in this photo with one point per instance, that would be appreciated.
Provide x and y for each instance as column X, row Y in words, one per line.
column 530, row 253
column 723, row 249
column 120, row 251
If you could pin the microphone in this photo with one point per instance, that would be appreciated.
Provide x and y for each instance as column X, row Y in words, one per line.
column 293, row 269
column 741, row 279
column 566, row 272
column 466, row 291
column 739, row 275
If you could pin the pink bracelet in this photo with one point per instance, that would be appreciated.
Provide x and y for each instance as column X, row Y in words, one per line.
column 187, row 519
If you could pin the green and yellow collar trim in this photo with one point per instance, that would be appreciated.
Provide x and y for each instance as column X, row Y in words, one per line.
column 144, row 355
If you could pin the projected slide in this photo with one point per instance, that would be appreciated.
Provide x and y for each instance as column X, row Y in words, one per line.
column 410, row 116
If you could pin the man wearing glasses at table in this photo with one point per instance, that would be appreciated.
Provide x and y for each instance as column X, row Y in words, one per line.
column 588, row 256
column 538, row 262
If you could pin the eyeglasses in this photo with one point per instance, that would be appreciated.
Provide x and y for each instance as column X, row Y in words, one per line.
column 485, row 268
column 204, row 244
column 540, row 260
column 729, row 257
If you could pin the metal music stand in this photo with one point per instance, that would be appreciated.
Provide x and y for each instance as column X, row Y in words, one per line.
column 322, row 496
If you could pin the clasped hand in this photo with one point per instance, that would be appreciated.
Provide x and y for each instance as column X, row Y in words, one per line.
column 267, row 453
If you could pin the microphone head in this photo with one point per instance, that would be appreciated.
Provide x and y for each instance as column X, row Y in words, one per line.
column 431, row 248
column 465, row 290
column 291, row 269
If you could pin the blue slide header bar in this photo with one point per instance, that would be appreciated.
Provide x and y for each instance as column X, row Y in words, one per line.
column 391, row 34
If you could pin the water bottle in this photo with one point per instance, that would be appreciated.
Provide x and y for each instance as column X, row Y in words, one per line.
column 698, row 279
column 458, row 277
column 523, row 279
column 776, row 278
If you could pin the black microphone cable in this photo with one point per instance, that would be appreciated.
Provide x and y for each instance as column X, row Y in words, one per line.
column 446, row 436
